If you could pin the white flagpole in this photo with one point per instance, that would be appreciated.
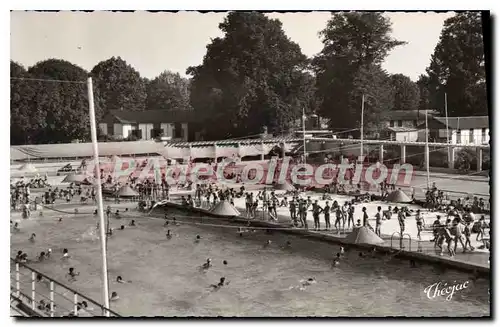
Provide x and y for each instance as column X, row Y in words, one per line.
column 100, row 207
column 427, row 159
column 304, row 133
column 447, row 126
column 362, row 123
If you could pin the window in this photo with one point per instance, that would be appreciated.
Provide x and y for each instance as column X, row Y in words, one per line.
column 391, row 123
column 483, row 135
column 471, row 135
column 178, row 130
column 459, row 137
column 400, row 123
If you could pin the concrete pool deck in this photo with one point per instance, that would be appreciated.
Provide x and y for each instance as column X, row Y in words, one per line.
column 470, row 262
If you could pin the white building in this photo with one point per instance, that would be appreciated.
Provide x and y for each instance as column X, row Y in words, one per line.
column 148, row 124
column 462, row 130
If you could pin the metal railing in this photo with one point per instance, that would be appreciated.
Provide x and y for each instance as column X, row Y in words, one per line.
column 401, row 239
column 51, row 301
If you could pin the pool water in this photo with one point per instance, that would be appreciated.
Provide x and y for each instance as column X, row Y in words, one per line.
column 263, row 281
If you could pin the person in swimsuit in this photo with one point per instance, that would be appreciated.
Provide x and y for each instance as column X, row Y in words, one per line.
column 316, row 211
column 65, row 254
column 378, row 220
column 197, row 239
column 350, row 214
column 120, row 280
column 326, row 211
column 420, row 223
column 336, row 261
column 114, row 296
column 72, row 274
column 41, row 257
column 207, row 264
column 222, row 282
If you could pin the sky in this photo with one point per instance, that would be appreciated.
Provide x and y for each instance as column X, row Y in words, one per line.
column 155, row 42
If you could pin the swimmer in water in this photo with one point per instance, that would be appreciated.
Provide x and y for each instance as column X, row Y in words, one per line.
column 198, row 238
column 72, row 274
column 39, row 278
column 267, row 244
column 65, row 254
column 33, row 237
column 207, row 264
column 60, row 219
column 221, row 283
column 19, row 255
column 117, row 214
column 120, row 280
column 114, row 296
column 336, row 261
column 288, row 245
column 132, row 223
column 169, row 235
column 49, row 252
column 95, row 212
column 361, row 254
column 342, row 251
column 308, row 282
column 175, row 222
column 122, row 227
column 224, row 263
column 41, row 257
column 16, row 227
column 413, row 264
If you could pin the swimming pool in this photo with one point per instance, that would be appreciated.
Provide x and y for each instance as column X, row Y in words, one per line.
column 166, row 281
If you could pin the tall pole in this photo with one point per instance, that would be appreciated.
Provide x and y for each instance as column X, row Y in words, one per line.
column 362, row 123
column 304, row 133
column 102, row 225
column 447, row 127
column 427, row 150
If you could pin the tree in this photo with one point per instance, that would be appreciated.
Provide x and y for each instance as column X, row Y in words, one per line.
column 252, row 77
column 375, row 84
column 423, row 84
column 457, row 67
column 168, row 91
column 354, row 46
column 24, row 123
column 406, row 93
column 60, row 104
column 120, row 86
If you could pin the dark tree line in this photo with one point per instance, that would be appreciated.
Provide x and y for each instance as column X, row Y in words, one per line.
column 255, row 76
column 57, row 112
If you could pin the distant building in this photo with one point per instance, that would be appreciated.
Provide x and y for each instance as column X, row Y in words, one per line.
column 150, row 124
column 402, row 125
column 462, row 130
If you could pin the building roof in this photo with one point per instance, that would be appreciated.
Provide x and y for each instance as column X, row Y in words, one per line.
column 411, row 114
column 150, row 116
column 401, row 129
column 471, row 122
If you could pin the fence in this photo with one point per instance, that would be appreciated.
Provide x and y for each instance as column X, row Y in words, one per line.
column 36, row 294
